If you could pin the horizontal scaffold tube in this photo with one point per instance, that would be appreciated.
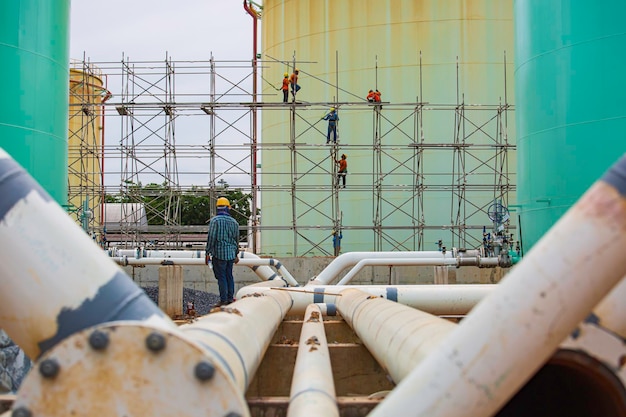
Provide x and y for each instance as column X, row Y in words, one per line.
column 512, row 332
column 399, row 337
column 237, row 336
column 439, row 300
column 312, row 386
column 69, row 284
column 332, row 271
column 251, row 263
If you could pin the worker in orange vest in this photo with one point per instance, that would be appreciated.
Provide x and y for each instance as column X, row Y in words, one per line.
column 285, row 87
column 371, row 96
column 293, row 80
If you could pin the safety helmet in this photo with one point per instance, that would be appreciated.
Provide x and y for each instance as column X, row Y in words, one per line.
column 286, row 74
column 371, row 91
column 332, row 109
column 343, row 155
column 296, row 70
column 223, row 202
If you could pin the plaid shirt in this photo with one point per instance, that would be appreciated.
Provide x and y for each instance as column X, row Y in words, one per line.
column 223, row 237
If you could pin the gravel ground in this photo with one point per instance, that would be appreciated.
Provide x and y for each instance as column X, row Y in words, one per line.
column 203, row 301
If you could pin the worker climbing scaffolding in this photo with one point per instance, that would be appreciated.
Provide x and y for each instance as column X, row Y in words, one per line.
column 333, row 120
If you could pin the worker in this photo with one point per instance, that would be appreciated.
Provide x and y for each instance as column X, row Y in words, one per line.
column 370, row 96
column 333, row 119
column 285, row 87
column 337, row 242
column 377, row 95
column 343, row 170
column 221, row 249
column 293, row 80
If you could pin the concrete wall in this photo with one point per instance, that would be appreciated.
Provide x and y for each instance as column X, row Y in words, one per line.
column 303, row 269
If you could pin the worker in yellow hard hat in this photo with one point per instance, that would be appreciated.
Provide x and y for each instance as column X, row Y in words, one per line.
column 221, row 249
column 293, row 80
column 285, row 87
column 333, row 119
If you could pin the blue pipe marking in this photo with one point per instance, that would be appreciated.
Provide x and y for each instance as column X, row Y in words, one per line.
column 392, row 294
column 15, row 185
column 118, row 299
column 616, row 176
column 331, row 309
column 334, row 400
column 318, row 297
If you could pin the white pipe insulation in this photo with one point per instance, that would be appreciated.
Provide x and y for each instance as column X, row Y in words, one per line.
column 70, row 284
column 511, row 333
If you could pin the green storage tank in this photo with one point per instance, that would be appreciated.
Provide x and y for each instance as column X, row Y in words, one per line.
column 34, row 40
column 570, row 107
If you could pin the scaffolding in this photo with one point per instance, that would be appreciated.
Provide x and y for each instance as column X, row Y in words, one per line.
column 189, row 127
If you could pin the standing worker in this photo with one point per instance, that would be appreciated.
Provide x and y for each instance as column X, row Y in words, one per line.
column 343, row 169
column 337, row 242
column 285, row 87
column 293, row 80
column 222, row 246
column 370, row 96
column 332, row 118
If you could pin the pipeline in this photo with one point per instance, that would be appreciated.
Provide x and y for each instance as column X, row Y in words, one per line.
column 507, row 337
column 70, row 285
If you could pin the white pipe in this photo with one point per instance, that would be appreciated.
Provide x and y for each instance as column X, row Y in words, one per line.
column 511, row 333
column 70, row 284
column 395, row 262
column 251, row 263
column 439, row 300
column 331, row 272
column 399, row 337
column 238, row 335
column 312, row 387
column 611, row 312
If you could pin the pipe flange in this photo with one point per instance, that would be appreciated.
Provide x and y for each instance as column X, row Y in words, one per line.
column 127, row 378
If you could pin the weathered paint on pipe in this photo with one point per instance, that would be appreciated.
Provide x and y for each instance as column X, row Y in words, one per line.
column 332, row 271
column 440, row 300
column 69, row 285
column 511, row 333
column 238, row 335
column 312, row 387
column 399, row 337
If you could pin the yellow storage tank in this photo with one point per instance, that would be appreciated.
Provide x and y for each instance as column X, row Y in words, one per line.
column 418, row 173
column 85, row 147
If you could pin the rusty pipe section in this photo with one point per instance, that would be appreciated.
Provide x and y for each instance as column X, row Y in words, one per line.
column 313, row 388
column 399, row 337
column 238, row 335
column 70, row 284
column 512, row 332
column 439, row 300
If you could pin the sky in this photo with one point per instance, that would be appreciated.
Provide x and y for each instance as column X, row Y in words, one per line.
column 147, row 30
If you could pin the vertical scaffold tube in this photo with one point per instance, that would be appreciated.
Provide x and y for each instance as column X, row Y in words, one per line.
column 237, row 336
column 399, row 337
column 70, row 284
column 509, row 335
column 312, row 387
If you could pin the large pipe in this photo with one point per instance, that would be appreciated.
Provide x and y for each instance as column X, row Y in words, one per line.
column 511, row 333
column 399, row 337
column 69, row 285
column 332, row 271
column 237, row 336
column 312, row 387
column 439, row 300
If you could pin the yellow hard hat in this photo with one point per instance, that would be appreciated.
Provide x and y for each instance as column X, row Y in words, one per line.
column 297, row 70
column 223, row 202
column 332, row 109
column 286, row 74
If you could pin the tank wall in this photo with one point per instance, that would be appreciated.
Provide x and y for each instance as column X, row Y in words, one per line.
column 34, row 42
column 571, row 123
column 359, row 46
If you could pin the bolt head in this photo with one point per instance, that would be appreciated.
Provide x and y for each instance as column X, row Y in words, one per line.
column 49, row 368
column 204, row 371
column 155, row 342
column 98, row 340
column 21, row 412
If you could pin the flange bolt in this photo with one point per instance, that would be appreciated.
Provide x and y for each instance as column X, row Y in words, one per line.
column 21, row 412
column 155, row 342
column 204, row 371
column 49, row 368
column 98, row 340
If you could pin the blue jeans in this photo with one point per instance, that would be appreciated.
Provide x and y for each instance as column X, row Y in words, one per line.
column 332, row 128
column 223, row 271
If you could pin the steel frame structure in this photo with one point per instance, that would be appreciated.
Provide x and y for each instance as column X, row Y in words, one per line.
column 222, row 153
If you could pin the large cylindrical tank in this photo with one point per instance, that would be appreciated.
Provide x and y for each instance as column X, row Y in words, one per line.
column 85, row 147
column 34, row 45
column 570, row 107
column 443, row 52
